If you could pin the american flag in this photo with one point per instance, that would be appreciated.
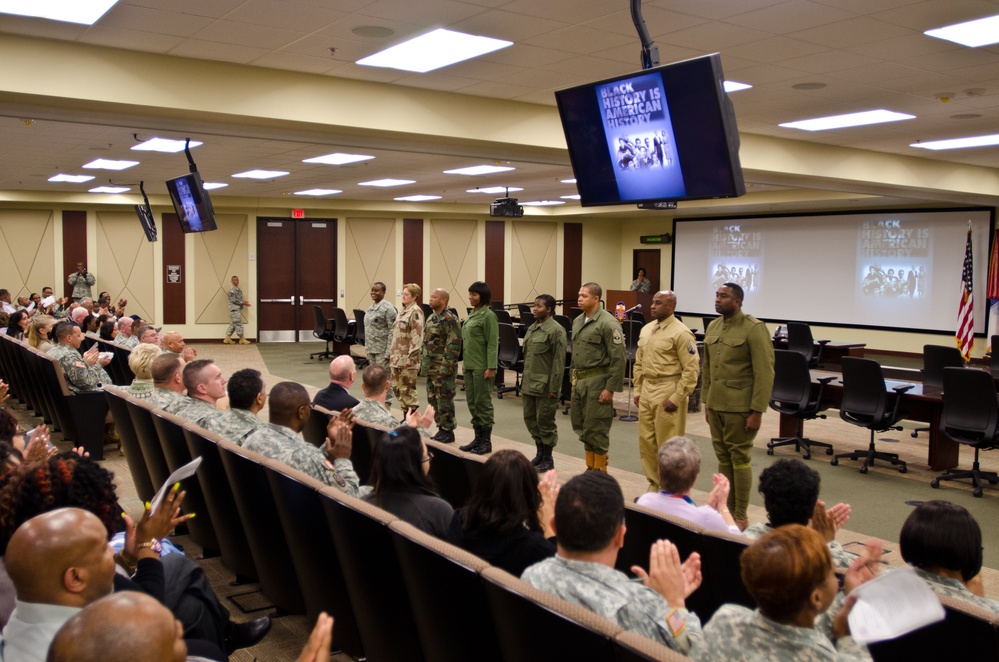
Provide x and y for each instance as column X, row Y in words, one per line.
column 966, row 313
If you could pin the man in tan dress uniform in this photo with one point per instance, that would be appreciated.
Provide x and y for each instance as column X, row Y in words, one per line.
column 665, row 374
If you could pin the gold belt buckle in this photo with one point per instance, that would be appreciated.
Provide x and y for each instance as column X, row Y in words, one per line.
column 572, row 376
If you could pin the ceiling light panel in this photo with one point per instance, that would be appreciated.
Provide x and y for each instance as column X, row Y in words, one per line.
column 732, row 86
column 338, row 158
column 418, row 198
column 384, row 183
column 72, row 179
column 851, row 119
column 214, row 185
column 980, row 32
column 110, row 164
column 434, row 50
column 110, row 189
column 319, row 192
column 261, row 174
column 542, row 203
column 165, row 145
column 959, row 143
column 84, row 12
column 478, row 170
column 493, row 190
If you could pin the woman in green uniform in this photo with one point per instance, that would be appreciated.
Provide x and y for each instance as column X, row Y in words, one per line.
column 480, row 342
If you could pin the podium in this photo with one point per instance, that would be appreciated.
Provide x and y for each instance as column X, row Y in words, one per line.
column 630, row 299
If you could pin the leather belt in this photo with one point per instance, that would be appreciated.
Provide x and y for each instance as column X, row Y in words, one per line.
column 576, row 375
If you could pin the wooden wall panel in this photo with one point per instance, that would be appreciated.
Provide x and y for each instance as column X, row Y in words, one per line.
column 495, row 254
column 74, row 246
column 412, row 254
column 174, row 252
column 572, row 264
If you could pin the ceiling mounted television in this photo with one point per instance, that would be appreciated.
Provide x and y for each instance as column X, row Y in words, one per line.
column 145, row 215
column 191, row 202
column 667, row 133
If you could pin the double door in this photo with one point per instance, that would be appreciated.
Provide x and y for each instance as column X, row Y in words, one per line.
column 296, row 270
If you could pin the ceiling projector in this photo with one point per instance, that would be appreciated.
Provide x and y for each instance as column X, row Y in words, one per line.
column 506, row 208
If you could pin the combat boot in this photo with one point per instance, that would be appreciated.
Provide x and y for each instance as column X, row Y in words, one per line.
column 539, row 455
column 474, row 442
column 486, row 443
column 546, row 463
column 589, row 460
column 228, row 341
column 444, row 436
column 244, row 341
column 600, row 462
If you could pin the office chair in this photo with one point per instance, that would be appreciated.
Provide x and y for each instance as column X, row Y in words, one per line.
column 631, row 330
column 427, row 310
column 792, row 396
column 799, row 339
column 866, row 404
column 503, row 316
column 575, row 312
column 324, row 331
column 639, row 317
column 496, row 304
column 509, row 358
column 970, row 416
column 935, row 359
column 994, row 357
column 526, row 320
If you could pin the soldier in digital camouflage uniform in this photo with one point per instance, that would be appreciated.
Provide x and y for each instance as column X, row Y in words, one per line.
column 281, row 440
column 82, row 282
column 372, row 408
column 84, row 372
column 442, row 346
column 168, row 379
column 378, row 321
column 205, row 387
column 236, row 304
column 246, row 399
column 544, row 363
column 407, row 345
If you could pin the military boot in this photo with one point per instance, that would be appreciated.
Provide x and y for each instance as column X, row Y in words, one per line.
column 486, row 444
column 474, row 442
column 539, row 455
column 244, row 341
column 444, row 436
column 228, row 341
column 589, row 460
column 546, row 463
column 600, row 462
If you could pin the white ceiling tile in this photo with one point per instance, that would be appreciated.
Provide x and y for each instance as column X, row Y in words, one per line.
column 828, row 61
column 145, row 19
column 955, row 59
column 904, row 47
column 478, row 70
column 711, row 37
column 580, row 11
column 436, row 80
column 578, row 40
column 291, row 61
column 210, row 8
column 39, row 27
column 245, row 34
column 716, row 10
column 866, row 6
column 930, row 14
column 659, row 22
column 436, row 13
column 852, row 32
column 789, row 16
column 286, row 15
column 213, row 50
column 506, row 25
column 134, row 40
column 774, row 49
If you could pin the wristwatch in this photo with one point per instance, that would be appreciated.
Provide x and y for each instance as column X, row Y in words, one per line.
column 154, row 544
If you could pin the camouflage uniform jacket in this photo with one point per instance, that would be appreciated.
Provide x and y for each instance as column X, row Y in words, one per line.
column 610, row 594
column 128, row 342
column 737, row 633
column 282, row 444
column 378, row 320
column 407, row 337
column 842, row 559
column 235, row 425
column 953, row 588
column 442, row 345
column 79, row 376
column 374, row 412
column 194, row 410
column 164, row 397
column 141, row 388
column 235, row 298
column 81, row 285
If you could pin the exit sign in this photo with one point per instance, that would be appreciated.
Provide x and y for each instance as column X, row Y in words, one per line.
column 298, row 213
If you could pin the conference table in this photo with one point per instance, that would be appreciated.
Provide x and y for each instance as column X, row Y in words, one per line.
column 920, row 403
column 832, row 352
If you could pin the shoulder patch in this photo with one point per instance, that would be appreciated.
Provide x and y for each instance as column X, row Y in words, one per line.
column 339, row 480
column 691, row 347
column 618, row 338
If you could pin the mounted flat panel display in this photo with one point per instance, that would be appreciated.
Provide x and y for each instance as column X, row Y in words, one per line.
column 896, row 270
column 191, row 202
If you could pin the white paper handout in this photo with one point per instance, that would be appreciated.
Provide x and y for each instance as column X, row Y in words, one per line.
column 47, row 301
column 185, row 471
column 893, row 604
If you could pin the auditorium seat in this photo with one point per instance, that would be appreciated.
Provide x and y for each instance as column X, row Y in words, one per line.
column 631, row 647
column 967, row 632
column 449, row 474
column 149, row 441
column 721, row 571
column 130, row 444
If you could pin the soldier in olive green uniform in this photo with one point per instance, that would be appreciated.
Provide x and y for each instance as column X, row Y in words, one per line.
column 407, row 345
column 480, row 341
column 544, row 363
column 441, row 348
column 737, row 377
column 599, row 358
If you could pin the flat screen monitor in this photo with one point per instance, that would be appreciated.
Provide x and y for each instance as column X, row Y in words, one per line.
column 191, row 202
column 667, row 133
column 146, row 220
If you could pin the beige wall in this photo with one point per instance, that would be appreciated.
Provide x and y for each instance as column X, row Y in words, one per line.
column 533, row 264
column 369, row 252
column 213, row 259
column 124, row 264
column 27, row 251
column 453, row 259
column 602, row 255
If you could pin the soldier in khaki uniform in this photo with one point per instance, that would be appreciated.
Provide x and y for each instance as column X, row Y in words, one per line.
column 442, row 347
column 407, row 345
column 598, row 362
column 737, row 377
column 665, row 374
column 544, row 363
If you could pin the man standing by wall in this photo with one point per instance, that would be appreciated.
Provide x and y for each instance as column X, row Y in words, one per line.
column 441, row 348
column 665, row 374
column 736, row 381
column 82, row 282
column 544, row 363
column 236, row 304
column 598, row 362
column 378, row 321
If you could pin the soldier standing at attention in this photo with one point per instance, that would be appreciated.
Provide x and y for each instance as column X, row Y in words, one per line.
column 236, row 304
column 544, row 362
column 665, row 374
column 480, row 340
column 736, row 380
column 378, row 321
column 442, row 346
column 407, row 345
column 82, row 282
column 598, row 362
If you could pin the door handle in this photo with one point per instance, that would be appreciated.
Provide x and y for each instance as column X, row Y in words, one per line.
column 317, row 300
column 288, row 300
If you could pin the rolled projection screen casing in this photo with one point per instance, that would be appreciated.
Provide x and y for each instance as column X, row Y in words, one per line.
column 876, row 269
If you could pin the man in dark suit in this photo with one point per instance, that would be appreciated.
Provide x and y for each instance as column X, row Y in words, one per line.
column 335, row 396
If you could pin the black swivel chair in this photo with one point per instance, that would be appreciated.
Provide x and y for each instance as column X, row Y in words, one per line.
column 866, row 404
column 994, row 357
column 427, row 310
column 575, row 312
column 509, row 358
column 792, row 396
column 324, row 331
column 799, row 339
column 526, row 320
column 359, row 335
column 503, row 316
column 970, row 416
column 640, row 317
column 935, row 359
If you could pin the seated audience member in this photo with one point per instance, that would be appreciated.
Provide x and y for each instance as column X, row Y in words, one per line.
column 589, row 526
column 141, row 360
column 168, row 378
column 84, row 372
column 88, row 304
column 90, row 324
column 372, row 409
column 508, row 519
column 399, row 469
column 125, row 337
column 17, row 324
column 174, row 342
column 79, row 314
column 105, row 307
column 5, row 302
column 246, row 398
column 790, row 575
column 281, row 440
column 335, row 397
column 679, row 466
column 790, row 492
column 108, row 331
column 38, row 332
column 150, row 334
column 943, row 542
column 205, row 387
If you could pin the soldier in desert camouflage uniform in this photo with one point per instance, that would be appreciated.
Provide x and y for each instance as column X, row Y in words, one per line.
column 407, row 345
column 246, row 399
column 236, row 304
column 84, row 372
column 442, row 346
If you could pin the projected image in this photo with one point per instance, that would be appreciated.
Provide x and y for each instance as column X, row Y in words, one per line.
column 640, row 138
column 745, row 275
column 882, row 280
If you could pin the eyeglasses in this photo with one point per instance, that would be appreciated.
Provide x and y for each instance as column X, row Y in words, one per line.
column 429, row 457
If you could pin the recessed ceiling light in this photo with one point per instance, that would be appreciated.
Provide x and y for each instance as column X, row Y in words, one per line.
column 542, row 203
column 850, row 119
column 110, row 189
column 478, row 170
column 495, row 189
column 72, row 179
column 569, row 181
column 338, row 158
column 732, row 86
column 808, row 86
column 261, row 174
column 570, row 197
column 373, row 31
column 417, row 198
column 85, row 12
column 110, row 164
column 164, row 145
column 980, row 32
column 434, row 50
column 960, row 143
column 319, row 191
column 388, row 182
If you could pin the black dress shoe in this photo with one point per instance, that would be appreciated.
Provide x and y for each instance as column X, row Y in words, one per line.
column 244, row 635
